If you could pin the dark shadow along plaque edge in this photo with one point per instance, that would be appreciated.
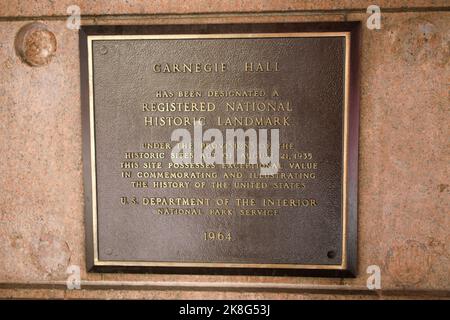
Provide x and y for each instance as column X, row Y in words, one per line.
column 348, row 267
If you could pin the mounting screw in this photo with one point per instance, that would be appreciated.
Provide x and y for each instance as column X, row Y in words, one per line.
column 35, row 44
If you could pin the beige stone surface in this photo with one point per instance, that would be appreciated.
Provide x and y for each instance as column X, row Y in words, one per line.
column 404, row 149
column 172, row 294
column 21, row 8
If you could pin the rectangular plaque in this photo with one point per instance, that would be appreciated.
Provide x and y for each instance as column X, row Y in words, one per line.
column 225, row 149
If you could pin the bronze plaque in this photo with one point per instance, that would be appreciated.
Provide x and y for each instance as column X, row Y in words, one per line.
column 283, row 97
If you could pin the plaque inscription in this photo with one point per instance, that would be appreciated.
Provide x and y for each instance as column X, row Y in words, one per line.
column 221, row 148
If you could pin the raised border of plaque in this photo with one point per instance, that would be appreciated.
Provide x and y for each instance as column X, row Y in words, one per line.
column 349, row 30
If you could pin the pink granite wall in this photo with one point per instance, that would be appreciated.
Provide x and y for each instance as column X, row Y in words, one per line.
column 404, row 219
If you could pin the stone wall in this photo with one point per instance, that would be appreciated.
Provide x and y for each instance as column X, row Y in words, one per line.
column 404, row 219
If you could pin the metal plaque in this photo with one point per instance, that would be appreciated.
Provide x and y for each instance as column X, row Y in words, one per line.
column 228, row 149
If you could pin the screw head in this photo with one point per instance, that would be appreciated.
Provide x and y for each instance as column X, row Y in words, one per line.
column 35, row 44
